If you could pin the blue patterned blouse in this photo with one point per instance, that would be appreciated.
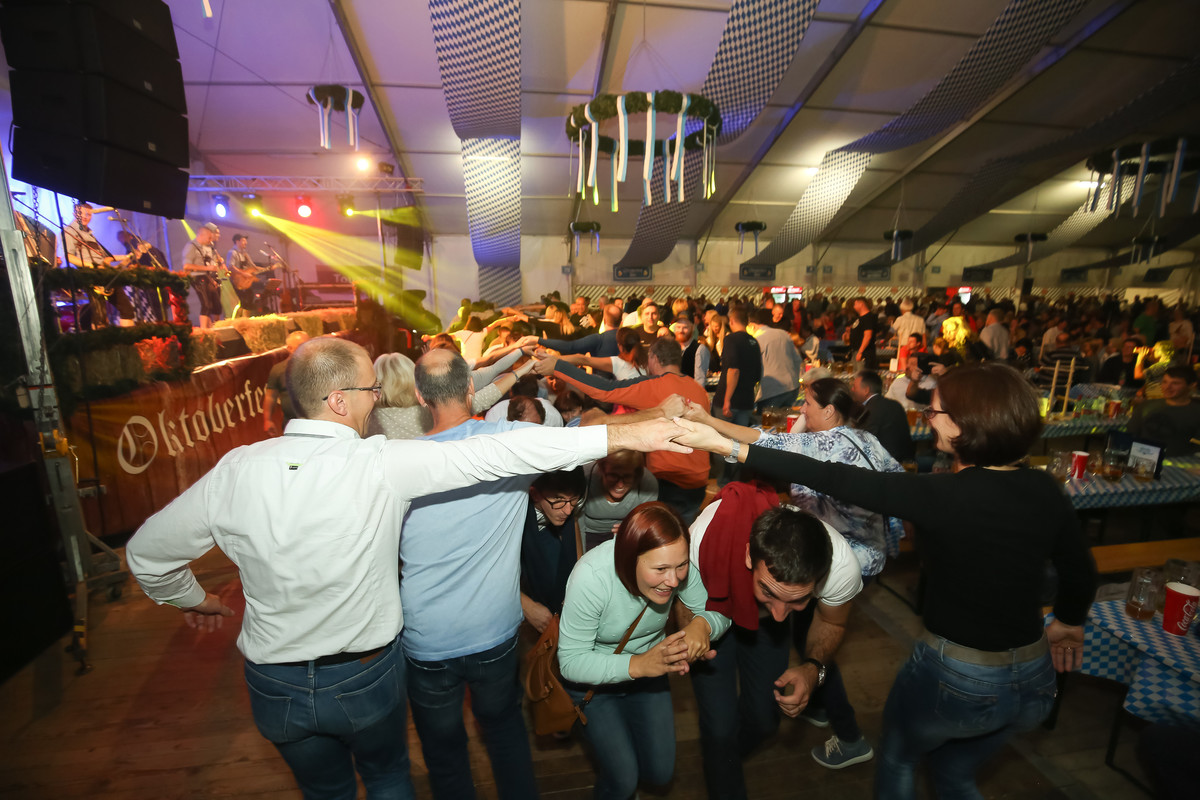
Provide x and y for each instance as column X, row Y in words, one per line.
column 871, row 537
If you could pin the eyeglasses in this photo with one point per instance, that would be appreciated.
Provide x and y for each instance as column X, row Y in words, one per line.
column 562, row 503
column 932, row 412
column 376, row 389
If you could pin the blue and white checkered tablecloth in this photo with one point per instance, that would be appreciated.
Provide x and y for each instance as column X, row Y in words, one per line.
column 1174, row 486
column 1162, row 671
column 1058, row 429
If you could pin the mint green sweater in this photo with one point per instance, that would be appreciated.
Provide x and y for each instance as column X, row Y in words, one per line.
column 598, row 610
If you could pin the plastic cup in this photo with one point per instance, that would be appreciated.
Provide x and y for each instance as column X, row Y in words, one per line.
column 791, row 422
column 1180, row 607
column 1079, row 462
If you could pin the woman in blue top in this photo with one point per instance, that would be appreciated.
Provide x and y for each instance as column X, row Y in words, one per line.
column 634, row 576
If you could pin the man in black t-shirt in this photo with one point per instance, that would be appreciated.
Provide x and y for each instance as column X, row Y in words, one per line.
column 741, row 367
column 863, row 334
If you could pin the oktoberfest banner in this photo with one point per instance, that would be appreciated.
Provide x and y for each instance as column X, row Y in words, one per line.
column 158, row 440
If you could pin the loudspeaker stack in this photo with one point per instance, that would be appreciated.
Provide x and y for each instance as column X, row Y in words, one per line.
column 98, row 101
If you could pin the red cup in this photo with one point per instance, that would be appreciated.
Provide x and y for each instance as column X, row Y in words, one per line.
column 1179, row 609
column 1079, row 461
column 791, row 421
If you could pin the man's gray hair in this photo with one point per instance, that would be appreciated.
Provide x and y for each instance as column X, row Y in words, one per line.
column 318, row 367
column 443, row 379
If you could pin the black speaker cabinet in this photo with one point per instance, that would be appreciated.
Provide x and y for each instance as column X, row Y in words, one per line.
column 98, row 171
column 98, row 101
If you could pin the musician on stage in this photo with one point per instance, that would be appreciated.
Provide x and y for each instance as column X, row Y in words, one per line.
column 84, row 251
column 150, row 304
column 201, row 260
column 244, row 274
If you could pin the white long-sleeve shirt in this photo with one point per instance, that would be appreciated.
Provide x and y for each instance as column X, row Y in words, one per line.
column 312, row 520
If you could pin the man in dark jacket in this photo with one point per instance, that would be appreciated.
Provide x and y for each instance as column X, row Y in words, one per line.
column 882, row 416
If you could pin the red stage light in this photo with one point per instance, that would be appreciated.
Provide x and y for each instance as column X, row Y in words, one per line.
column 303, row 206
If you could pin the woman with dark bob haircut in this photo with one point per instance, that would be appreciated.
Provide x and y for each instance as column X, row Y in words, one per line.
column 983, row 669
column 627, row 585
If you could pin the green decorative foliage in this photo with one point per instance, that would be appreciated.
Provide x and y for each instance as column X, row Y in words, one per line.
column 86, row 278
column 604, row 107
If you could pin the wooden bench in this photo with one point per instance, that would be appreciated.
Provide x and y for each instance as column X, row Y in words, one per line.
column 1112, row 558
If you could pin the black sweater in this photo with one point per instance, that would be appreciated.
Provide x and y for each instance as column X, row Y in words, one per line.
column 985, row 538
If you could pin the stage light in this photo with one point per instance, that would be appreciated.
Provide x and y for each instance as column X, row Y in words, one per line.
column 386, row 169
column 346, row 204
column 304, row 206
column 253, row 204
column 364, row 164
column 220, row 205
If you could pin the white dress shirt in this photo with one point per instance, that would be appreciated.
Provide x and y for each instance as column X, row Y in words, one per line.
column 312, row 520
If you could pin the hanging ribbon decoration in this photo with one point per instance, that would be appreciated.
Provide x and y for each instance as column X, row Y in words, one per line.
column 667, row 169
column 324, row 115
column 328, row 98
column 613, row 163
column 648, row 159
column 1139, row 183
column 622, row 142
column 595, row 142
column 352, row 119
column 677, row 168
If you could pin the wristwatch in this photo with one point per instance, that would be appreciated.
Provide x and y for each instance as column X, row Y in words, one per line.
column 732, row 458
column 820, row 670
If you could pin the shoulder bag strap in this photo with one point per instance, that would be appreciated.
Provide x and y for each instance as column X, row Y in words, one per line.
column 624, row 640
column 858, row 447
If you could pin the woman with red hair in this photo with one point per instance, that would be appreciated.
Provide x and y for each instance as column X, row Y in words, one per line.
column 619, row 598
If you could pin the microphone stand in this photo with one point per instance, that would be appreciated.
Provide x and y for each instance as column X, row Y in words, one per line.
column 289, row 282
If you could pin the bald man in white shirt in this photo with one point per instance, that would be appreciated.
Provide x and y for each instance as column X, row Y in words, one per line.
column 312, row 520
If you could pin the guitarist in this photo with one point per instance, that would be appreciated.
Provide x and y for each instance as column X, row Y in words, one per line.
column 84, row 251
column 201, row 259
column 243, row 272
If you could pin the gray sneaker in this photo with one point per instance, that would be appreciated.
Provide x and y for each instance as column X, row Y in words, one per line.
column 815, row 716
column 836, row 754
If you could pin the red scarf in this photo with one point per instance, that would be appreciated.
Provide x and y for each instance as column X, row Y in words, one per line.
column 723, row 551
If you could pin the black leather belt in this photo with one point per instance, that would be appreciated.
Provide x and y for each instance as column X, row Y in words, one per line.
column 338, row 658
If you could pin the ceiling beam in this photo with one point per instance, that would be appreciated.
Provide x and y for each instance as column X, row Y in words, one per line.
column 848, row 38
column 382, row 111
column 1011, row 88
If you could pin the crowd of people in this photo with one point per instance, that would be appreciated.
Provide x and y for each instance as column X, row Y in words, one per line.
column 419, row 522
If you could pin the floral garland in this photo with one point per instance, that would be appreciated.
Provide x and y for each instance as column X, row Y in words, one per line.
column 583, row 126
column 83, row 278
column 604, row 107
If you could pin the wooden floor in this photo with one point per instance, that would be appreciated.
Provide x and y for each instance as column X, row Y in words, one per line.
column 164, row 714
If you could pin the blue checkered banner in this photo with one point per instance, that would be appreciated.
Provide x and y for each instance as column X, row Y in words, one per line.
column 478, row 46
column 1015, row 37
column 995, row 182
column 759, row 42
column 479, row 56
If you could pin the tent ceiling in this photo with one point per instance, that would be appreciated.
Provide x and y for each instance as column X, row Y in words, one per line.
column 247, row 71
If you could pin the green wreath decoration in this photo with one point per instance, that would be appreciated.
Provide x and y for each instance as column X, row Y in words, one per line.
column 144, row 277
column 604, row 107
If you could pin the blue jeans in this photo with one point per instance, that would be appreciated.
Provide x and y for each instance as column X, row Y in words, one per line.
column 435, row 692
column 736, row 702
column 831, row 696
column 631, row 730
column 325, row 721
column 957, row 715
